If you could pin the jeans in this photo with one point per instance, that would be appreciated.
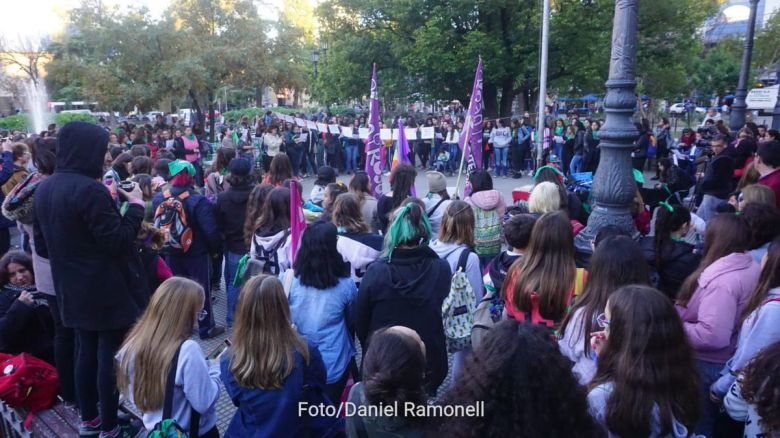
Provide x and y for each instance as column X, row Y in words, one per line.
column 295, row 153
column 458, row 358
column 231, row 266
column 576, row 163
column 351, row 151
column 320, row 156
column 501, row 160
column 709, row 372
column 454, row 151
column 196, row 268
column 95, row 375
column 64, row 353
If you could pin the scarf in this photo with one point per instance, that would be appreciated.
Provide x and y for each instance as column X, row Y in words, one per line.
column 18, row 204
column 558, row 130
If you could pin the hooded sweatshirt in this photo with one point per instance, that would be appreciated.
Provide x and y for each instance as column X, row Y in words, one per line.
column 359, row 250
column 710, row 319
column 408, row 290
column 271, row 241
column 100, row 283
column 759, row 330
column 451, row 252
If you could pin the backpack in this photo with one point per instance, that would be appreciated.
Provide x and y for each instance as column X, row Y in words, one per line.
column 171, row 217
column 168, row 427
column 458, row 308
column 27, row 383
column 266, row 261
column 487, row 232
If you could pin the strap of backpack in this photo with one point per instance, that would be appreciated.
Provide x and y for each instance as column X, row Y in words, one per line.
column 463, row 260
column 430, row 212
column 168, row 400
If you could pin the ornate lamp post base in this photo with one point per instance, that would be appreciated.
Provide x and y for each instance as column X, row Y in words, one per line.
column 613, row 185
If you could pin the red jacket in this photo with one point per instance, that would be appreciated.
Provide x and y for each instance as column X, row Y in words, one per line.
column 773, row 182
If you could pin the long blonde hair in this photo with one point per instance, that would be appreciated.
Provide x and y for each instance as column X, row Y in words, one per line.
column 151, row 344
column 264, row 341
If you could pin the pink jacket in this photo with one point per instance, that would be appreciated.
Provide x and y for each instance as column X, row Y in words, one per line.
column 711, row 317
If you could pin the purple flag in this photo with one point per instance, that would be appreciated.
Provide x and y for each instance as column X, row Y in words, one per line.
column 473, row 123
column 402, row 151
column 374, row 144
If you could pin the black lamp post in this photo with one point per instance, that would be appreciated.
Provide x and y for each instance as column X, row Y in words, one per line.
column 613, row 186
column 737, row 118
column 315, row 57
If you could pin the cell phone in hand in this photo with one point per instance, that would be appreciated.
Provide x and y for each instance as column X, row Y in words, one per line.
column 219, row 349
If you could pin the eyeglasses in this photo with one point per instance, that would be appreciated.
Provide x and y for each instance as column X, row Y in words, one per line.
column 203, row 314
column 602, row 321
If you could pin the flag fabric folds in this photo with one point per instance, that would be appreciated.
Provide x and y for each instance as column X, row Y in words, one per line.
column 374, row 144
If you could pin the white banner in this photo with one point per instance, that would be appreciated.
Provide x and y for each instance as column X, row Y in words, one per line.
column 427, row 132
column 363, row 133
column 346, row 131
column 322, row 127
column 334, row 129
column 386, row 134
column 300, row 122
column 311, row 125
column 411, row 134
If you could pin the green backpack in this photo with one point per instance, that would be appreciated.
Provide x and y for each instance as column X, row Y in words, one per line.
column 487, row 232
column 168, row 427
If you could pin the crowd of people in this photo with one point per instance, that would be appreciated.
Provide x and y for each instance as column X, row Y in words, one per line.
column 668, row 329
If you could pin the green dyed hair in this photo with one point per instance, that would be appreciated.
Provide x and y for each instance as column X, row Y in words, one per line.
column 410, row 226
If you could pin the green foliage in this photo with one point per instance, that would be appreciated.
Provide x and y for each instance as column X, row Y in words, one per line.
column 766, row 51
column 14, row 122
column 717, row 72
column 62, row 118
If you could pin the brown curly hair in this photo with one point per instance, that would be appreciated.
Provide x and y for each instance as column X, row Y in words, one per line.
column 759, row 387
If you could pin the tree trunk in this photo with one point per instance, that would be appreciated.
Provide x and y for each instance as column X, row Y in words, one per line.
column 212, row 120
column 258, row 96
column 295, row 98
column 490, row 99
column 196, row 105
column 507, row 96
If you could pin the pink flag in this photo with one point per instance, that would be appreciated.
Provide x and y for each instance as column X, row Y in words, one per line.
column 297, row 219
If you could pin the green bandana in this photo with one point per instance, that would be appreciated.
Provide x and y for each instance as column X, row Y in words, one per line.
column 175, row 167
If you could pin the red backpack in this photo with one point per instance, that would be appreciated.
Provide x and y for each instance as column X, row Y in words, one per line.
column 28, row 383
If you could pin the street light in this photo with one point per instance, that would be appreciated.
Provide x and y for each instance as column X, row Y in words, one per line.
column 324, row 49
column 738, row 108
column 613, row 186
column 315, row 56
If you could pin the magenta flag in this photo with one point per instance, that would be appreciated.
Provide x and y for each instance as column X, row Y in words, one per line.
column 374, row 144
column 297, row 219
column 474, row 123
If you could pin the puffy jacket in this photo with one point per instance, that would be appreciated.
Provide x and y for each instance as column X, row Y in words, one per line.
column 678, row 261
column 711, row 316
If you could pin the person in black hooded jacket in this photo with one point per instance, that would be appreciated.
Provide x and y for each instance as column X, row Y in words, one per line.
column 407, row 287
column 100, row 286
column 671, row 259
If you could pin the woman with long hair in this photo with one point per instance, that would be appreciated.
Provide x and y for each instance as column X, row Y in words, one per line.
column 760, row 321
column 526, row 386
column 158, row 339
column 407, row 286
column 360, row 186
column 254, row 208
column 215, row 181
column 540, row 286
column 455, row 245
column 672, row 258
column 322, row 295
column 272, row 241
column 357, row 245
column 121, row 168
column 754, row 399
column 195, row 263
column 618, row 262
column 401, row 186
column 711, row 300
column 393, row 371
column 279, row 170
column 645, row 383
column 26, row 325
column 271, row 146
column 269, row 367
column 489, row 208
column 764, row 223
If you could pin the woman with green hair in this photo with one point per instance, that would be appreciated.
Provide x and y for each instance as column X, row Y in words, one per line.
column 407, row 287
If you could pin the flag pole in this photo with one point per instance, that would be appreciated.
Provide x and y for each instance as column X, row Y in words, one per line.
column 467, row 125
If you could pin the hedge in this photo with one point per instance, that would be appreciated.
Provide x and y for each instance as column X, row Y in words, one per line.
column 21, row 121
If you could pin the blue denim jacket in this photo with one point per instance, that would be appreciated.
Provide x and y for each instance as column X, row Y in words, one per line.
column 326, row 319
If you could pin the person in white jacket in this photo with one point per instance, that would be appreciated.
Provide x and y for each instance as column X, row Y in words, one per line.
column 455, row 237
column 451, row 140
column 500, row 138
column 158, row 341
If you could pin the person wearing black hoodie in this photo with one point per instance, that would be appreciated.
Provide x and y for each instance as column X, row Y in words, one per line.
column 100, row 284
column 407, row 287
column 230, row 211
column 517, row 233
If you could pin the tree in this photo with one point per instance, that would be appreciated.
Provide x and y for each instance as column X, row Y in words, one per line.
column 717, row 71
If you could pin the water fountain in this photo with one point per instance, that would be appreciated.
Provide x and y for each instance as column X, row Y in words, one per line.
column 36, row 100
